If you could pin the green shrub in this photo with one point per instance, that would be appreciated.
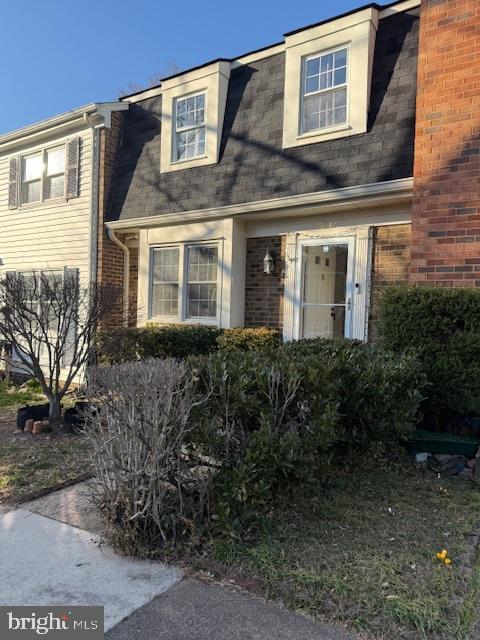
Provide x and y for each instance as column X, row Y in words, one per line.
column 255, row 339
column 376, row 392
column 443, row 326
column 277, row 418
column 166, row 341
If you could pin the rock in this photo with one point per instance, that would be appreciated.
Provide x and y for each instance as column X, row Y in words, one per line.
column 466, row 474
column 422, row 457
column 452, row 469
column 471, row 463
column 255, row 584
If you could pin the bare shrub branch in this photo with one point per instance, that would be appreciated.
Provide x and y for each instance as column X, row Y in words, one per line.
column 149, row 480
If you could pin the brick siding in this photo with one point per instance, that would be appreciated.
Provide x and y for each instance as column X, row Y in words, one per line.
column 390, row 263
column 446, row 206
column 110, row 257
column 264, row 293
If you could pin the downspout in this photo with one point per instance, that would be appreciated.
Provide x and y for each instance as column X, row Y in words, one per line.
column 126, row 274
column 94, row 205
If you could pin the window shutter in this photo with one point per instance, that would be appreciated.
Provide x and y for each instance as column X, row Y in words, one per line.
column 71, row 276
column 13, row 184
column 72, row 169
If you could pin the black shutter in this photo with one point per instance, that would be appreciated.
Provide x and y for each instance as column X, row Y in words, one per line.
column 72, row 168
column 13, row 184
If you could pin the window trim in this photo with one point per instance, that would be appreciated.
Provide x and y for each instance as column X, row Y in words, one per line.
column 176, row 131
column 336, row 127
column 182, row 315
column 43, row 176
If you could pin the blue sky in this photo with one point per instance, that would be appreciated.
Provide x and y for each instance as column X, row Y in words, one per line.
column 60, row 54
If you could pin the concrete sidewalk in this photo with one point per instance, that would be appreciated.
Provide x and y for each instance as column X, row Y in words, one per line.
column 47, row 557
column 45, row 562
column 192, row 610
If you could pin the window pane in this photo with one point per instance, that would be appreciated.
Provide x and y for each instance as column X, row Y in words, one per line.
column 165, row 282
column 55, row 161
column 340, row 58
column 31, row 191
column 324, row 109
column 190, row 143
column 311, row 84
column 313, row 67
column 327, row 62
column 54, row 187
column 202, row 300
column 340, row 76
column 202, row 282
column 32, row 167
column 165, row 299
column 190, row 111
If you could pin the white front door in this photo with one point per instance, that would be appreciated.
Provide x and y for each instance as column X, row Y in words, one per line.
column 324, row 297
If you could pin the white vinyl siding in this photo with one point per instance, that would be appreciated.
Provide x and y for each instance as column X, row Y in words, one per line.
column 52, row 234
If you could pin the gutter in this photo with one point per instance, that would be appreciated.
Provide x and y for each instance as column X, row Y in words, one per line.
column 126, row 274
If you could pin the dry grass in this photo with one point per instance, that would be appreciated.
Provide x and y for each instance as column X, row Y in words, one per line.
column 361, row 553
column 33, row 464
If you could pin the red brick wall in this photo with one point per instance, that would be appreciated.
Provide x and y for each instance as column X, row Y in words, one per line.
column 390, row 263
column 264, row 293
column 446, row 206
column 110, row 257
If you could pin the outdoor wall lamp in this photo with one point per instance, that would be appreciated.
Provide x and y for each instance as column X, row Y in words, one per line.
column 268, row 263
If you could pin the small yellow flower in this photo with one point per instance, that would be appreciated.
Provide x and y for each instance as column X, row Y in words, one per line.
column 441, row 555
column 447, row 561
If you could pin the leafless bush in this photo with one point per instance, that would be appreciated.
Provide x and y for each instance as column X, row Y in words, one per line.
column 50, row 320
column 151, row 484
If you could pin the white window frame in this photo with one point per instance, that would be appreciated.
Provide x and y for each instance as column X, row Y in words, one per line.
column 43, row 176
column 176, row 130
column 303, row 93
column 182, row 315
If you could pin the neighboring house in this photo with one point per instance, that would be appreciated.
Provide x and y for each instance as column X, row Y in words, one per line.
column 50, row 185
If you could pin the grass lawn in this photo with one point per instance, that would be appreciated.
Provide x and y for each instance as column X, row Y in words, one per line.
column 361, row 552
column 32, row 464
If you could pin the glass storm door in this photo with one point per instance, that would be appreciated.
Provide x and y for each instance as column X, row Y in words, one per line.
column 326, row 289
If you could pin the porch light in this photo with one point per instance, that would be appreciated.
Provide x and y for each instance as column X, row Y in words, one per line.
column 268, row 263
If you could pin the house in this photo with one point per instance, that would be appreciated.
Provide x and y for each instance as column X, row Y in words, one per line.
column 51, row 189
column 285, row 187
column 271, row 189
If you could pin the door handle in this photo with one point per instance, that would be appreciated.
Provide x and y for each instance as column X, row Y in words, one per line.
column 349, row 304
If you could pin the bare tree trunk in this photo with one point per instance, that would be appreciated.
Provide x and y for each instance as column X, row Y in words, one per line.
column 55, row 412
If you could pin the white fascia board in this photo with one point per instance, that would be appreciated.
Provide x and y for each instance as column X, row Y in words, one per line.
column 52, row 127
column 374, row 194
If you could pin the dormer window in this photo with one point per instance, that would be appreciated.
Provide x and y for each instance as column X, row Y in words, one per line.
column 328, row 75
column 190, row 127
column 324, row 100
